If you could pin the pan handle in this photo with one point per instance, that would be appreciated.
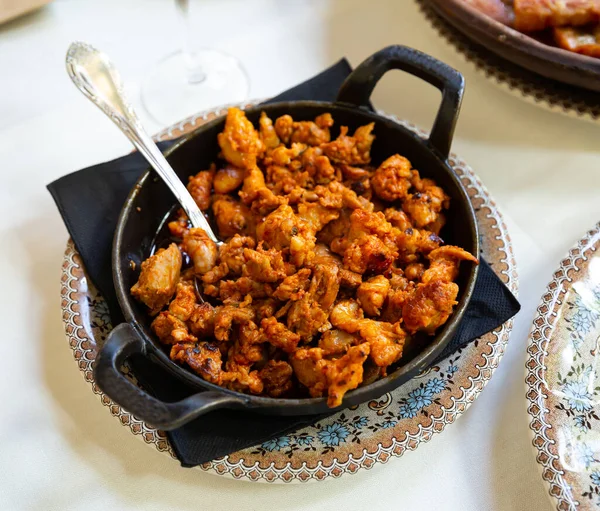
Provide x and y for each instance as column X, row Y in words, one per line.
column 357, row 88
column 123, row 342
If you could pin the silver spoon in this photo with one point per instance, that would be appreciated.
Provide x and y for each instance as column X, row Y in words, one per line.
column 96, row 76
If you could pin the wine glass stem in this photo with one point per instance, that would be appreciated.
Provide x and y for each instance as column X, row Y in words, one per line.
column 194, row 71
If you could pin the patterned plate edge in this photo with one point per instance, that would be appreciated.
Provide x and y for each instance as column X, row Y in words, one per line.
column 536, row 387
column 77, row 340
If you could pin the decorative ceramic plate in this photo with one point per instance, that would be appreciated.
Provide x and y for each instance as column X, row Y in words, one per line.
column 355, row 438
column 563, row 389
column 517, row 81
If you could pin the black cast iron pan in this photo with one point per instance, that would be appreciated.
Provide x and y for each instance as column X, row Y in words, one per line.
column 150, row 201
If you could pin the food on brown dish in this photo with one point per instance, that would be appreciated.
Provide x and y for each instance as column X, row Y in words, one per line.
column 329, row 265
column 534, row 15
column 158, row 278
column 573, row 25
column 584, row 40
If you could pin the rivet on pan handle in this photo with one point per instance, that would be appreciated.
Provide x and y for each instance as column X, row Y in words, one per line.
column 357, row 88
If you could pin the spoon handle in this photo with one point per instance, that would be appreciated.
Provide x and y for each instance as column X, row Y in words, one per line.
column 98, row 79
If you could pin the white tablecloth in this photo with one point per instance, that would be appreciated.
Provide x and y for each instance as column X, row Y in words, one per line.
column 59, row 448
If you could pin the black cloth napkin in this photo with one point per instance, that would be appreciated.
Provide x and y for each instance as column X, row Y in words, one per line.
column 89, row 202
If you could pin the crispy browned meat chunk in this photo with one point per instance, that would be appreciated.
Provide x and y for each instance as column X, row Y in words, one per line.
column 264, row 265
column 309, row 314
column 276, row 377
column 533, row 15
column 158, row 278
column 349, row 278
column 201, row 249
column 239, row 141
column 202, row 320
column 354, row 150
column 400, row 290
column 294, row 286
column 283, row 229
column 414, row 271
column 227, row 315
column 228, row 179
column 325, row 285
column 248, row 349
column 317, row 166
column 284, row 128
column 200, row 187
column 413, row 242
column 429, row 307
column 283, row 155
column 337, row 342
column 253, row 184
column 232, row 252
column 264, row 308
column 364, row 222
column 397, row 218
column 324, row 256
column 436, row 226
column 391, row 180
column 338, row 193
column 345, row 373
column 329, row 196
column 312, row 133
column 203, row 357
column 231, row 291
column 371, row 244
column 444, row 263
column 335, row 232
column 309, row 367
column 180, row 225
column 346, row 315
column 268, row 134
column 372, row 293
column 354, row 174
column 315, row 216
column 306, row 317
column 278, row 229
column 364, row 140
column 305, row 132
column 584, row 40
column 278, row 335
column 386, row 340
column 281, row 180
column 255, row 193
column 169, row 329
column 241, row 378
column 424, row 207
column 216, row 274
column 183, row 304
column 334, row 376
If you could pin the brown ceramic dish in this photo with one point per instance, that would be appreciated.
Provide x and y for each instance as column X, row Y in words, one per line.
column 548, row 61
column 150, row 201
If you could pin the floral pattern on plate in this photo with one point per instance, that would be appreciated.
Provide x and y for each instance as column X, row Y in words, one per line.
column 563, row 379
column 350, row 440
column 350, row 428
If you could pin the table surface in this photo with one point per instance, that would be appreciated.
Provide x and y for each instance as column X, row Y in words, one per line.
column 62, row 450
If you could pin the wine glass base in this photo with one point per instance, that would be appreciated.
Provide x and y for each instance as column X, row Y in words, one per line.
column 176, row 89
